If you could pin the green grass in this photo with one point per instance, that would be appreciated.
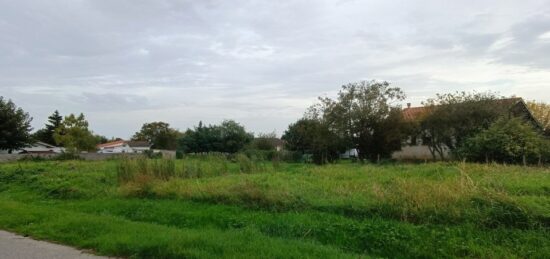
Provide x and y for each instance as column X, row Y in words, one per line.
column 211, row 207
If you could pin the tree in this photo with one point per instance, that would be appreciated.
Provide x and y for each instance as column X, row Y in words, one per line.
column 100, row 139
column 365, row 115
column 541, row 112
column 159, row 135
column 508, row 140
column 228, row 137
column 46, row 134
column 311, row 136
column 454, row 117
column 233, row 136
column 264, row 141
column 15, row 126
column 74, row 135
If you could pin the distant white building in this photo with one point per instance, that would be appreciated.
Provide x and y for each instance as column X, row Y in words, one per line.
column 350, row 153
column 123, row 146
column 38, row 147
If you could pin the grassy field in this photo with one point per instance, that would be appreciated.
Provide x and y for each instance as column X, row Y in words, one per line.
column 212, row 207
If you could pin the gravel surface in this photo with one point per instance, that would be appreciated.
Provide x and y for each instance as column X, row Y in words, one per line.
column 14, row 246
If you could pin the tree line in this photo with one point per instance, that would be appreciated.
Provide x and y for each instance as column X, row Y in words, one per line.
column 365, row 116
column 72, row 132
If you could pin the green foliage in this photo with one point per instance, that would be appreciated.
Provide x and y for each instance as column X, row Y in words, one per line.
column 365, row 115
column 454, row 117
column 74, row 135
column 265, row 142
column 47, row 133
column 228, row 137
column 136, row 170
column 159, row 135
column 508, row 141
column 439, row 210
column 111, row 235
column 311, row 136
column 179, row 154
column 245, row 164
column 152, row 154
column 15, row 126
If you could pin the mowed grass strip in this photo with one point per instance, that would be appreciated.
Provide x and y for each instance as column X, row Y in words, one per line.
column 374, row 236
column 109, row 235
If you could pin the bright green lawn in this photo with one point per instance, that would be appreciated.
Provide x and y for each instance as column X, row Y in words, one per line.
column 288, row 210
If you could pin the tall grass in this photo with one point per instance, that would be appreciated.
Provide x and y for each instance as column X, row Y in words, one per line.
column 438, row 210
column 418, row 194
column 193, row 167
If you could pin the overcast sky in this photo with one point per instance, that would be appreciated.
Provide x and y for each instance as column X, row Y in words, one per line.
column 123, row 63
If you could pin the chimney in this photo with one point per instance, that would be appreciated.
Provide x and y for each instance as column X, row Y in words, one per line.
column 408, row 105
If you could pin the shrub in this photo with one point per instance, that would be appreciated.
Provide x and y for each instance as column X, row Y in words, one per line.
column 245, row 164
column 179, row 154
column 32, row 158
column 129, row 169
column 152, row 154
column 507, row 141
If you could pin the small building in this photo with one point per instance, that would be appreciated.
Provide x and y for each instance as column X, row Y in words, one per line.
column 37, row 147
column 123, row 146
column 350, row 153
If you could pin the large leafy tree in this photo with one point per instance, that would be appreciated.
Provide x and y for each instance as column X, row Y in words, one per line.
column 74, row 135
column 159, row 134
column 366, row 115
column 454, row 117
column 46, row 134
column 228, row 137
column 15, row 126
column 311, row 136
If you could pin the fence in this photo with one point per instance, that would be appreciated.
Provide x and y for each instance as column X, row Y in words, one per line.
column 85, row 156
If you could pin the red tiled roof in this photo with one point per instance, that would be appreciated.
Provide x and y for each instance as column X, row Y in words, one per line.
column 414, row 113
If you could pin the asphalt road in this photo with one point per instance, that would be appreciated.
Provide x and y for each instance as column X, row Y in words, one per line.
column 13, row 246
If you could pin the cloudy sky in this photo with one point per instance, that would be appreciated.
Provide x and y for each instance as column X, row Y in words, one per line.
column 123, row 63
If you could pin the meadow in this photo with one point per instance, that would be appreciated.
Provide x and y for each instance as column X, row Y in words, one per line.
column 212, row 207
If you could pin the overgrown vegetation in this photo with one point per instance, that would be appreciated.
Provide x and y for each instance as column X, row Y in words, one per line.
column 15, row 126
column 228, row 137
column 507, row 141
column 218, row 206
column 364, row 116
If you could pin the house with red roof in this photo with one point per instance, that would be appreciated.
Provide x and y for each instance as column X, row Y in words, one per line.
column 123, row 146
column 416, row 149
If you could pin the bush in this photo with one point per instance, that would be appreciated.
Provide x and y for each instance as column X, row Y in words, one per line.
column 506, row 141
column 257, row 154
column 129, row 169
column 179, row 154
column 245, row 164
column 152, row 154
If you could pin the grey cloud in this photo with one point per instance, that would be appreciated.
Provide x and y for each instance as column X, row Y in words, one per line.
column 261, row 62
